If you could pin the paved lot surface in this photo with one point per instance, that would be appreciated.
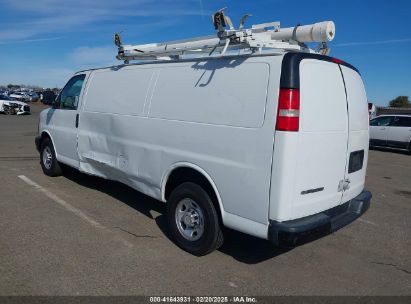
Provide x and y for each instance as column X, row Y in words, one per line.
column 81, row 235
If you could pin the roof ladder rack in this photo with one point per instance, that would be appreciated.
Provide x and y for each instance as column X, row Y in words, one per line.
column 266, row 36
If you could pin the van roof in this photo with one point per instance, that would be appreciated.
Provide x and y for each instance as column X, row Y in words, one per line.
column 195, row 59
column 293, row 59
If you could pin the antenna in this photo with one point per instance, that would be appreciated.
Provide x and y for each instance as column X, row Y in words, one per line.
column 266, row 36
column 219, row 20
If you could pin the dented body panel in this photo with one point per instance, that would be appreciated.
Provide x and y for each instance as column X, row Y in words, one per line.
column 137, row 123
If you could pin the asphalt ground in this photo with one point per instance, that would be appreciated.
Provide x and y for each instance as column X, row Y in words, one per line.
column 81, row 235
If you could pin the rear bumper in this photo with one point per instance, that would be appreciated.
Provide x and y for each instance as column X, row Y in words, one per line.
column 299, row 231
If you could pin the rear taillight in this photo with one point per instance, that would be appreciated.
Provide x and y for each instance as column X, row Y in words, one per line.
column 288, row 115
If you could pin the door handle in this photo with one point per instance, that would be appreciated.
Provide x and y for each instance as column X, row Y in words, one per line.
column 343, row 185
column 382, row 129
column 77, row 119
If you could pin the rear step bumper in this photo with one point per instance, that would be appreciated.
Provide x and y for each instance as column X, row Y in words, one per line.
column 300, row 231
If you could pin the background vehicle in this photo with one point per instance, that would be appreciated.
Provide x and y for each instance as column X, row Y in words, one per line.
column 10, row 107
column 393, row 131
column 372, row 110
column 48, row 97
column 20, row 96
column 33, row 97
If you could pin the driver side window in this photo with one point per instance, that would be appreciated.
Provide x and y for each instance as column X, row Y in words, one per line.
column 69, row 96
column 381, row 121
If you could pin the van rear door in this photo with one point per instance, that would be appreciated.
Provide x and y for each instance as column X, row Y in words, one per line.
column 358, row 137
column 323, row 136
column 322, row 164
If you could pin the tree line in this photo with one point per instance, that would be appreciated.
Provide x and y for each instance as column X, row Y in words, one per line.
column 13, row 87
column 400, row 102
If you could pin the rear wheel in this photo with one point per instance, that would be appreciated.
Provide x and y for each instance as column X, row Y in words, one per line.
column 48, row 159
column 193, row 220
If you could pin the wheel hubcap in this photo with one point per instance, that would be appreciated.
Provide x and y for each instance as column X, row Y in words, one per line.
column 189, row 219
column 47, row 157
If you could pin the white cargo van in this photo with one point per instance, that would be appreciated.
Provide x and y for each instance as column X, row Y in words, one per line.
column 272, row 145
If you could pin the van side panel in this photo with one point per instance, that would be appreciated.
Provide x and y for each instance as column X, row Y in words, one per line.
column 195, row 114
column 114, row 98
column 118, row 92
column 212, row 93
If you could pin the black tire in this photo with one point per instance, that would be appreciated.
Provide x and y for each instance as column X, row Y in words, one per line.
column 212, row 236
column 51, row 167
column 8, row 110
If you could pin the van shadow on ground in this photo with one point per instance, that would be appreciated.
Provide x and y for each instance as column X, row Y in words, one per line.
column 242, row 247
column 388, row 150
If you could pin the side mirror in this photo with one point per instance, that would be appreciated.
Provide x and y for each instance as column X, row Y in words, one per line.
column 55, row 104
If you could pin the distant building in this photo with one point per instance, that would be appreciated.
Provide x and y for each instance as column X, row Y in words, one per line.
column 391, row 110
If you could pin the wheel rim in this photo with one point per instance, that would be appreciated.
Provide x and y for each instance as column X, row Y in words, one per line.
column 189, row 219
column 47, row 157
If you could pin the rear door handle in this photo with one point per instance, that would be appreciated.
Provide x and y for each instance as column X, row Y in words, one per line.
column 77, row 119
column 380, row 129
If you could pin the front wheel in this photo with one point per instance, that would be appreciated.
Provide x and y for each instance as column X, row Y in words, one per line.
column 48, row 159
column 193, row 220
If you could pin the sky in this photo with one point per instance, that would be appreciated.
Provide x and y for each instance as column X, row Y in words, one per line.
column 43, row 42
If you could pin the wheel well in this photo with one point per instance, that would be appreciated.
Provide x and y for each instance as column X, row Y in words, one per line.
column 44, row 135
column 186, row 174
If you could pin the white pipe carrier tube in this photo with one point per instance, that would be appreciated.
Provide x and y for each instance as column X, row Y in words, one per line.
column 317, row 32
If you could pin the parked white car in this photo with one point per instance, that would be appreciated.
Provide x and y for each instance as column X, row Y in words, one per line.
column 392, row 131
column 20, row 96
column 275, row 145
column 9, row 107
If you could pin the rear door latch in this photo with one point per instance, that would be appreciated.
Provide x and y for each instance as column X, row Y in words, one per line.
column 343, row 185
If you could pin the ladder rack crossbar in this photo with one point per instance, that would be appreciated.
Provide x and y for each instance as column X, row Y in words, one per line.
column 258, row 37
